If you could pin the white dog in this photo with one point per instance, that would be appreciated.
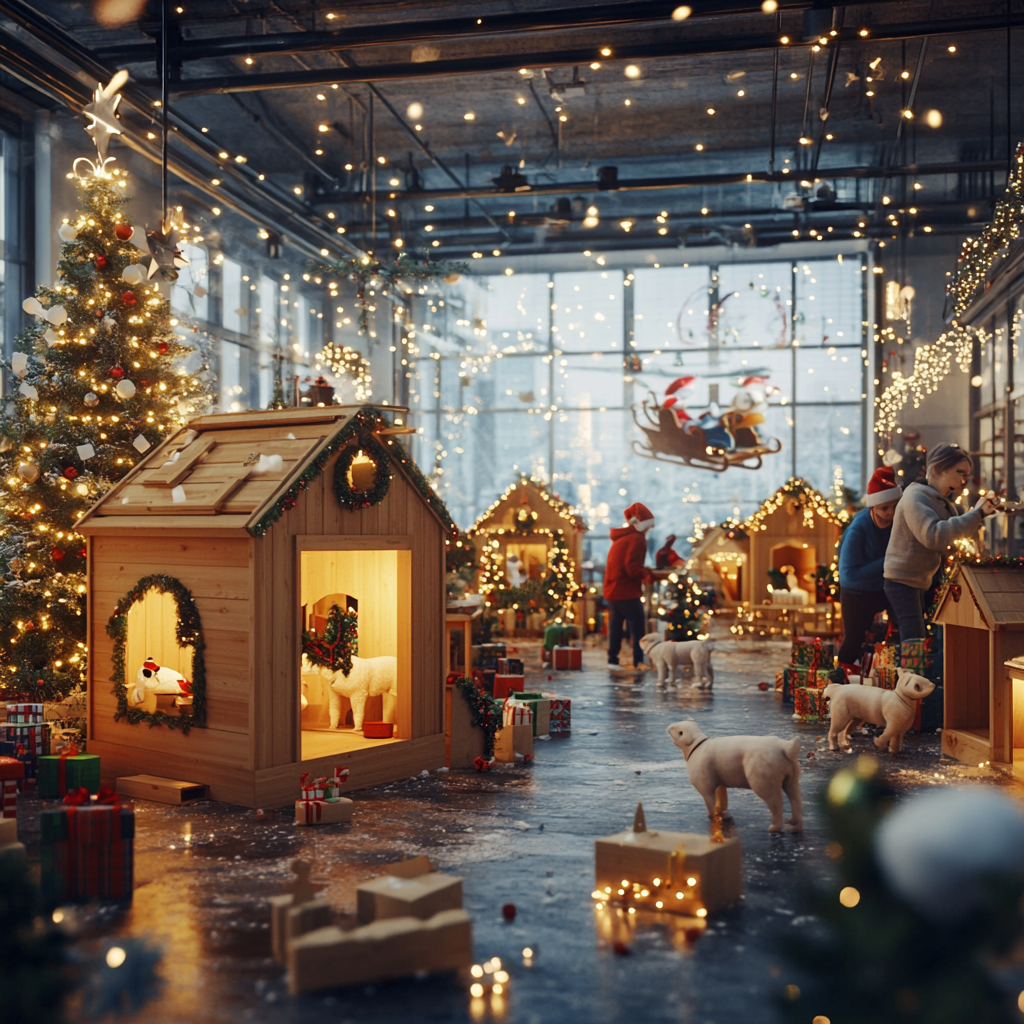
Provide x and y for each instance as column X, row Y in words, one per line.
column 764, row 764
column 668, row 655
column 852, row 705
column 370, row 677
column 152, row 678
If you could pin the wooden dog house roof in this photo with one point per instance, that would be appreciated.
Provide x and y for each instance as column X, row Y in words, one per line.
column 995, row 592
column 497, row 516
column 221, row 469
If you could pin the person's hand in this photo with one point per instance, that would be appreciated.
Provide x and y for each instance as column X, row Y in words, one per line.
column 986, row 504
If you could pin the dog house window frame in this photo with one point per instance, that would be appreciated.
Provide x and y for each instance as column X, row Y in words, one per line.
column 304, row 543
column 188, row 632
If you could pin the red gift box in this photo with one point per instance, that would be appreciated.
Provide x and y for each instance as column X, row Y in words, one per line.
column 567, row 659
column 506, row 685
column 12, row 771
column 561, row 714
column 25, row 714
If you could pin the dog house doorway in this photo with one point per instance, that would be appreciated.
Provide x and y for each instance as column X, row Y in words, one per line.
column 804, row 560
column 370, row 588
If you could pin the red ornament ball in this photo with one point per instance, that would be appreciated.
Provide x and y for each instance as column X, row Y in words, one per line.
column 83, row 553
column 123, row 231
column 101, row 262
column 762, row 687
column 99, row 313
column 116, row 372
column 508, row 911
column 128, row 298
column 71, row 472
column 162, row 347
column 56, row 554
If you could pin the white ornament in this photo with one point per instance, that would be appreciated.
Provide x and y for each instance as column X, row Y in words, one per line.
column 51, row 336
column 124, row 389
column 28, row 391
column 937, row 848
column 133, row 274
column 85, row 451
column 57, row 315
column 178, row 495
column 91, row 399
column 19, row 363
column 33, row 306
column 141, row 444
column 892, row 458
column 268, row 464
column 67, row 232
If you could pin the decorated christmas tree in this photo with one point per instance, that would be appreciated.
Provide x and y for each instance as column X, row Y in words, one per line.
column 97, row 379
column 686, row 607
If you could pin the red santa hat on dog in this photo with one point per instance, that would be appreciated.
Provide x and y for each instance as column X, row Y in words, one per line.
column 882, row 487
column 639, row 516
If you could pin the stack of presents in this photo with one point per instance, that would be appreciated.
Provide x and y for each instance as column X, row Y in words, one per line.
column 527, row 715
column 557, row 651
column 322, row 802
column 410, row 920
column 813, row 665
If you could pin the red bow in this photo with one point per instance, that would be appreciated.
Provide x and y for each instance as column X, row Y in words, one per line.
column 108, row 795
column 481, row 764
column 78, row 797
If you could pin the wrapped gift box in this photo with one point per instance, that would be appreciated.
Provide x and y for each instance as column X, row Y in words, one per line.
column 86, row 852
column 560, row 714
column 12, row 771
column 289, row 920
column 681, row 871
column 511, row 740
column 556, row 636
column 25, row 714
column 916, row 655
column 504, row 686
column 516, row 714
column 567, row 659
column 421, row 896
column 510, row 666
column 27, row 743
column 482, row 653
column 809, row 704
column 780, row 681
column 484, row 679
column 541, row 708
column 58, row 773
column 323, row 812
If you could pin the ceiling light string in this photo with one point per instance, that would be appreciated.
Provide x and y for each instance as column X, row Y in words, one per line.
column 833, row 63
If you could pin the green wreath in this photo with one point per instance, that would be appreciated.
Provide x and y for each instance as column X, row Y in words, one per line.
column 188, row 632
column 355, row 500
column 340, row 640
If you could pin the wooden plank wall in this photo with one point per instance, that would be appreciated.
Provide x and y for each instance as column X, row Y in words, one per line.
column 218, row 572
column 785, row 528
column 966, row 678
column 276, row 727
column 1005, row 644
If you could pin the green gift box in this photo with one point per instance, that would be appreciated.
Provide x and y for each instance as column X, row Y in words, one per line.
column 57, row 774
column 556, row 636
column 541, row 708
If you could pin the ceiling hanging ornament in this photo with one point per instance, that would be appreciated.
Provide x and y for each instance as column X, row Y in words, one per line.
column 164, row 254
column 103, row 111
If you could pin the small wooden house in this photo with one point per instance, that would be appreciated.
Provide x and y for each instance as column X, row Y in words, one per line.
column 219, row 558
column 721, row 559
column 982, row 615
column 517, row 535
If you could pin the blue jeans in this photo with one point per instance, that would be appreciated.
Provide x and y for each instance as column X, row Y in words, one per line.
column 632, row 612
column 907, row 603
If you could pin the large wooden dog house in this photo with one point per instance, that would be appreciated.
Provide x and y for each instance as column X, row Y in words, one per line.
column 216, row 553
column 982, row 614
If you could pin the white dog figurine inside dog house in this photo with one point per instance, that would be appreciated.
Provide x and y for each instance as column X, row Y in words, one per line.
column 266, row 590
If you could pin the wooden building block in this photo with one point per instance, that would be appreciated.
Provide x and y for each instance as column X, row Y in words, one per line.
column 511, row 740
column 684, row 872
column 464, row 741
column 289, row 920
column 323, row 812
column 8, row 830
column 163, row 791
column 422, row 896
column 393, row 948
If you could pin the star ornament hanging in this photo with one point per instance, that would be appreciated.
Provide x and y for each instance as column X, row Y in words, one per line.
column 164, row 254
column 103, row 111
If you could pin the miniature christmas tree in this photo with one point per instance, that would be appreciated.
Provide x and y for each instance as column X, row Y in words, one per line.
column 685, row 606
column 98, row 380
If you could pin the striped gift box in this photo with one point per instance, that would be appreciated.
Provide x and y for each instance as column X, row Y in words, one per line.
column 809, row 704
column 9, row 795
column 516, row 714
column 561, row 714
column 25, row 714
column 87, row 852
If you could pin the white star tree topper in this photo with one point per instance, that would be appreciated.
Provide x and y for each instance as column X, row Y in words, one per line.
column 103, row 110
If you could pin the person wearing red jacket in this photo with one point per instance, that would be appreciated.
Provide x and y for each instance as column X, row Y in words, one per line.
column 624, row 576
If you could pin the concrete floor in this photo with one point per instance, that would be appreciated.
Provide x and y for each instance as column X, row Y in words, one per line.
column 519, row 834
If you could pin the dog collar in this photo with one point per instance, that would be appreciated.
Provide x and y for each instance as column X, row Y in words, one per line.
column 655, row 644
column 686, row 757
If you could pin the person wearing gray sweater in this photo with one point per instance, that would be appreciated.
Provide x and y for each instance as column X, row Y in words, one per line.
column 925, row 525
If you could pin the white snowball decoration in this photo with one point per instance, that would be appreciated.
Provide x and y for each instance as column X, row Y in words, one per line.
column 133, row 274
column 125, row 389
column 57, row 315
column 67, row 232
column 33, row 306
column 933, row 848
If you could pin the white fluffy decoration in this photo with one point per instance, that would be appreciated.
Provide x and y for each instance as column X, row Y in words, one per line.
column 85, row 451
column 33, row 306
column 268, row 464
column 51, row 336
column 28, row 391
column 67, row 232
column 125, row 389
column 19, row 363
column 133, row 274
column 934, row 848
column 57, row 315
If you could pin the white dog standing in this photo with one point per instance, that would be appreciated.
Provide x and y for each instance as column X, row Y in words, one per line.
column 668, row 655
column 765, row 764
column 370, row 677
column 851, row 705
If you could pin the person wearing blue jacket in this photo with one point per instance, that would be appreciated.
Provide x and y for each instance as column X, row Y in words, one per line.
column 862, row 561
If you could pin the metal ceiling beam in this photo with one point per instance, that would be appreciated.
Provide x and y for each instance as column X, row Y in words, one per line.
column 406, row 33
column 686, row 181
column 503, row 62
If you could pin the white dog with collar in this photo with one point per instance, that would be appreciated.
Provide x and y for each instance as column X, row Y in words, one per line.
column 765, row 764
column 851, row 705
column 668, row 655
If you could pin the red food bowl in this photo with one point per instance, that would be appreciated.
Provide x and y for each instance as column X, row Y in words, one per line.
column 378, row 730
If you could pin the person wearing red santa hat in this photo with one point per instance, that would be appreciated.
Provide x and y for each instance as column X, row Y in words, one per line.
column 861, row 561
column 624, row 577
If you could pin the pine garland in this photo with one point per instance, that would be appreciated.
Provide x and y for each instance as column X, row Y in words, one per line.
column 363, row 423
column 188, row 632
column 339, row 642
column 485, row 710
column 354, row 500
